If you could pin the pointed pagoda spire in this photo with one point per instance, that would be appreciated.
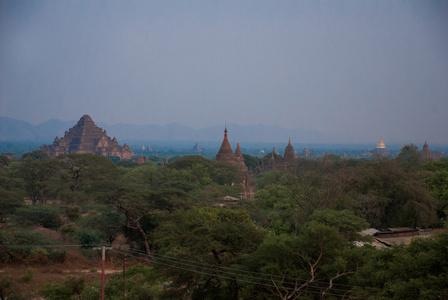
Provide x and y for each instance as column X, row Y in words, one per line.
column 426, row 154
column 289, row 152
column 238, row 152
column 225, row 153
column 240, row 158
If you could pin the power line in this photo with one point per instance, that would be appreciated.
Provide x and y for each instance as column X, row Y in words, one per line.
column 189, row 264
column 223, row 276
column 291, row 280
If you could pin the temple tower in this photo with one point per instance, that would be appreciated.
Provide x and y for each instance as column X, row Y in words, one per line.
column 289, row 155
column 239, row 158
column 426, row 154
column 225, row 153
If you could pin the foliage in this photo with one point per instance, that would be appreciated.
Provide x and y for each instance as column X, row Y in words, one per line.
column 438, row 185
column 5, row 162
column 38, row 178
column 68, row 230
column 11, row 193
column 418, row 271
column 88, row 237
column 30, row 272
column 108, row 223
column 6, row 286
column 85, row 174
column 16, row 244
column 47, row 216
column 70, row 288
column 345, row 221
column 36, row 154
column 409, row 155
column 315, row 262
column 142, row 283
column 212, row 236
column 72, row 212
column 293, row 240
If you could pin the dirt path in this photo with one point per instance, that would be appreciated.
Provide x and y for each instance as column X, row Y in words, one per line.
column 53, row 273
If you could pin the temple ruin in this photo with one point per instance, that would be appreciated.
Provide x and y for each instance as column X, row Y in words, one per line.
column 86, row 137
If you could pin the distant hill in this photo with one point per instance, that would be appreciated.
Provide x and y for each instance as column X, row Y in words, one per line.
column 15, row 130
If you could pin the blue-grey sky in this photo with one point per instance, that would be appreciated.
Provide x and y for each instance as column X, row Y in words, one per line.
column 357, row 69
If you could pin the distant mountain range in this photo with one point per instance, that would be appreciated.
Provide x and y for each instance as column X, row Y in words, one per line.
column 16, row 130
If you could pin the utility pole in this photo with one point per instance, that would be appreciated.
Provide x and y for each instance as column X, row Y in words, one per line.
column 103, row 263
column 124, row 277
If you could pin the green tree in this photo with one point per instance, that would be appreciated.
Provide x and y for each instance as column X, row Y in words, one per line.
column 5, row 162
column 87, row 174
column 108, row 223
column 438, row 185
column 142, row 283
column 46, row 216
column 37, row 176
column 36, row 154
column 316, row 262
column 210, row 238
column 11, row 192
column 418, row 271
column 345, row 221
column 136, row 209
column 409, row 155
column 70, row 288
column 6, row 286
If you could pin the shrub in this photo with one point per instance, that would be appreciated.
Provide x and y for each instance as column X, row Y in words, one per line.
column 6, row 286
column 17, row 244
column 28, row 275
column 68, row 231
column 88, row 237
column 70, row 288
column 57, row 256
column 46, row 216
column 72, row 212
column 37, row 256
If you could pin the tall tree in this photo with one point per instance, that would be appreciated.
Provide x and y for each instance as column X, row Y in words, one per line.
column 197, row 246
column 85, row 175
column 315, row 263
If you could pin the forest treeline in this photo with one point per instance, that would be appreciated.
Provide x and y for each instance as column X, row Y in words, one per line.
column 294, row 239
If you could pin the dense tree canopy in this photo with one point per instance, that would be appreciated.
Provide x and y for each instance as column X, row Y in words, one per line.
column 293, row 240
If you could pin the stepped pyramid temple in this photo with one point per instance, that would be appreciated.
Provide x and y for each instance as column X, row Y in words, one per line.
column 226, row 154
column 86, row 137
column 381, row 148
column 426, row 154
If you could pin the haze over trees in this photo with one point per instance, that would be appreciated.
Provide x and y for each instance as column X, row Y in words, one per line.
column 295, row 239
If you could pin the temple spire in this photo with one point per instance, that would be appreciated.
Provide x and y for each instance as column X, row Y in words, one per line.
column 225, row 153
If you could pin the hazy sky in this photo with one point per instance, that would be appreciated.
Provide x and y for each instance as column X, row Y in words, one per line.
column 358, row 69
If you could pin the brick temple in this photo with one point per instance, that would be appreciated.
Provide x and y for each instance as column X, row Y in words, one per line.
column 87, row 137
column 226, row 154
